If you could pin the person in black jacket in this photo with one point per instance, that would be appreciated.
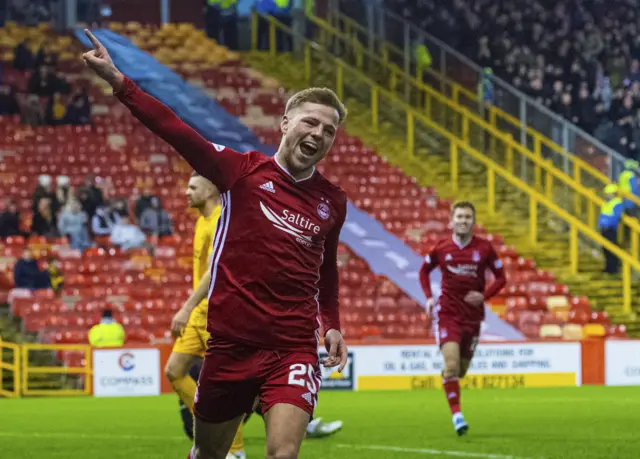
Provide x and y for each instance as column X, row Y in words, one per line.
column 27, row 273
column 10, row 221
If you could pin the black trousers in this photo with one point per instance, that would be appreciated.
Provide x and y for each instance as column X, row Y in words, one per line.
column 612, row 262
column 223, row 28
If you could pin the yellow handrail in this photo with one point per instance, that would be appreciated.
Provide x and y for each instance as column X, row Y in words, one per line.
column 13, row 367
column 577, row 165
column 345, row 73
column 26, row 369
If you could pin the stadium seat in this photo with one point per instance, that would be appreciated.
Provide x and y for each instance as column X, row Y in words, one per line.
column 572, row 332
column 617, row 331
column 594, row 330
column 551, row 331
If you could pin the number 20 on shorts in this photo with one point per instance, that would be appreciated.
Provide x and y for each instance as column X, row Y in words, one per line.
column 297, row 374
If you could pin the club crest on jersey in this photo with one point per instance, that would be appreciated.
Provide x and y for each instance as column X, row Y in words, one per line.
column 448, row 257
column 476, row 256
column 323, row 211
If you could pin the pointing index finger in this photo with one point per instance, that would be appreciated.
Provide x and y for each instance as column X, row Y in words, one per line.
column 96, row 43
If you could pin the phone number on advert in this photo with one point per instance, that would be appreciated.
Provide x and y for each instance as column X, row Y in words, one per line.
column 481, row 382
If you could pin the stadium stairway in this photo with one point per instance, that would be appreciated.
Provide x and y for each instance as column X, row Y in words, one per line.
column 432, row 166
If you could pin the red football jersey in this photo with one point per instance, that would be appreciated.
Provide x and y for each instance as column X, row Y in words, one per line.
column 274, row 260
column 463, row 270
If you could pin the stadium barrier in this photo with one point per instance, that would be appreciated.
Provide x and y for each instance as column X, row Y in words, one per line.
column 29, row 368
column 9, row 368
column 391, row 365
column 541, row 199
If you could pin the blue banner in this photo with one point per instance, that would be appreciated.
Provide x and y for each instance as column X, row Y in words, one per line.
column 195, row 107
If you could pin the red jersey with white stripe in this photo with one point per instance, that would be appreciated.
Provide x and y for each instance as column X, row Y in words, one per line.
column 274, row 260
column 463, row 270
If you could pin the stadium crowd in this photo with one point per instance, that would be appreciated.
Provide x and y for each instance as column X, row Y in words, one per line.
column 49, row 99
column 581, row 59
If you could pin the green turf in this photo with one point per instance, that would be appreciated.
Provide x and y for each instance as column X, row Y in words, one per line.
column 582, row 423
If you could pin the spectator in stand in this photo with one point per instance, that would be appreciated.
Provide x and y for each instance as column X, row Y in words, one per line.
column 610, row 215
column 90, row 196
column 45, row 222
column 43, row 82
column 120, row 207
column 104, row 220
column 63, row 191
column 78, row 111
column 155, row 220
column 56, row 278
column 55, row 112
column 108, row 333
column 628, row 184
column 8, row 101
column 27, row 274
column 72, row 223
column 583, row 50
column 23, row 58
column 10, row 221
column 126, row 235
column 46, row 57
column 32, row 113
column 44, row 190
column 30, row 12
column 143, row 202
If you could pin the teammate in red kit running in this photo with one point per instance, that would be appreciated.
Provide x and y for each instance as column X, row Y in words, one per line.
column 274, row 274
column 457, row 315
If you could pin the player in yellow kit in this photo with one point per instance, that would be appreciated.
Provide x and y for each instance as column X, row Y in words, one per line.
column 190, row 328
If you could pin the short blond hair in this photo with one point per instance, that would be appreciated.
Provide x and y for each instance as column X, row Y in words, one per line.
column 320, row 96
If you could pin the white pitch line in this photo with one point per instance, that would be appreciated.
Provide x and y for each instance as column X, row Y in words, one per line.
column 431, row 452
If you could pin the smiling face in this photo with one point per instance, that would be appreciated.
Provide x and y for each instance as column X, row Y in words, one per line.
column 309, row 131
column 309, row 127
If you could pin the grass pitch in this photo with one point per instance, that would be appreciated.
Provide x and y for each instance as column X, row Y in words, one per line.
column 574, row 423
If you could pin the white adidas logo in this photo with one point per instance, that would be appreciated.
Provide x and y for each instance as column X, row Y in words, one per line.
column 308, row 397
column 268, row 187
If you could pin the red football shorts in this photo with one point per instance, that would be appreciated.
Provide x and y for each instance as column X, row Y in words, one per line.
column 233, row 375
column 447, row 329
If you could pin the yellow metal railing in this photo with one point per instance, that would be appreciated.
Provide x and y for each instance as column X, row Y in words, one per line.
column 27, row 369
column 12, row 367
column 580, row 171
column 319, row 64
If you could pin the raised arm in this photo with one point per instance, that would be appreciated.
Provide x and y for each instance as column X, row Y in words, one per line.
column 221, row 165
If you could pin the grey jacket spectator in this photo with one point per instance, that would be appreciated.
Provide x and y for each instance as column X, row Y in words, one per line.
column 126, row 235
column 155, row 219
column 72, row 223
